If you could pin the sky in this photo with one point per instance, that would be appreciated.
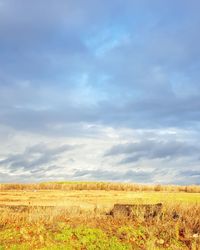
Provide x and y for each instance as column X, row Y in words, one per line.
column 100, row 90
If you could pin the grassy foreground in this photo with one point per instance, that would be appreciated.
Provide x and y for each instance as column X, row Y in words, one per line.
column 69, row 218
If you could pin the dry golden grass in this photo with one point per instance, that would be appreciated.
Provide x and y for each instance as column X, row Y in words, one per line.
column 91, row 198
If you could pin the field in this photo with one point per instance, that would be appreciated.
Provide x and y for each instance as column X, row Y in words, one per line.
column 76, row 216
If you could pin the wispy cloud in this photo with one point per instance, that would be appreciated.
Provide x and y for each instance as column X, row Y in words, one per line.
column 154, row 149
column 34, row 158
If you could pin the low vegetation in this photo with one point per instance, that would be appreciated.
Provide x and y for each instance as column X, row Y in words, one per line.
column 100, row 186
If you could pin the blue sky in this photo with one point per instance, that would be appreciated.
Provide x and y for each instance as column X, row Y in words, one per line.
column 100, row 90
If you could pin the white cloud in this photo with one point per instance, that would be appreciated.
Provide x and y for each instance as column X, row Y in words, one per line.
column 49, row 157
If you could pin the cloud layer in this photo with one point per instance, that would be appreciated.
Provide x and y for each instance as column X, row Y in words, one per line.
column 118, row 79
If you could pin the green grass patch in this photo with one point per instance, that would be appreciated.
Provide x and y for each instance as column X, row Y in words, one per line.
column 89, row 238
